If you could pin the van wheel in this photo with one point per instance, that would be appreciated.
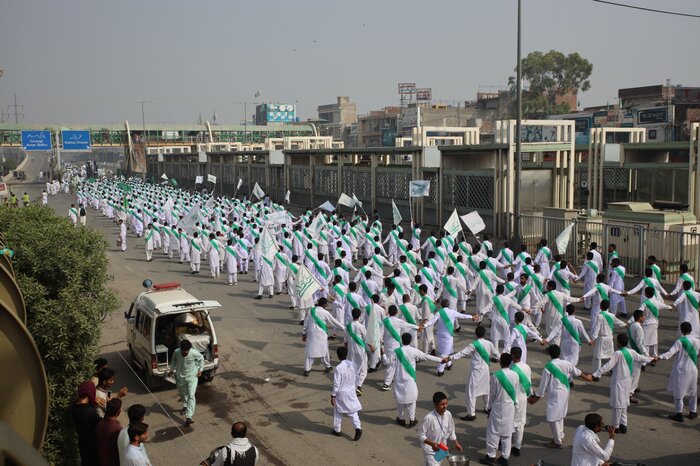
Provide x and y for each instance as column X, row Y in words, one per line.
column 152, row 382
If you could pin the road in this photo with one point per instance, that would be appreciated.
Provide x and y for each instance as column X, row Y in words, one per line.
column 290, row 416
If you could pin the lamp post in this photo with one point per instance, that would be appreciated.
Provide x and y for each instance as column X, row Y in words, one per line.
column 518, row 123
column 143, row 121
column 245, row 118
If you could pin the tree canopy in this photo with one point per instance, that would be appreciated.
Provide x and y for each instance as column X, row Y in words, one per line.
column 550, row 76
column 62, row 272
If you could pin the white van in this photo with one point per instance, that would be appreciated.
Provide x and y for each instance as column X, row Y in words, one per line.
column 158, row 320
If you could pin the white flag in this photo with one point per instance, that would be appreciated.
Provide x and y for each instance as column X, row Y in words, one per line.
column 317, row 226
column 258, row 192
column 357, row 201
column 164, row 176
column 562, row 240
column 240, row 183
column 198, row 179
column 396, row 213
column 419, row 188
column 453, row 226
column 346, row 200
column 327, row 206
column 278, row 218
column 267, row 244
column 211, row 178
column 474, row 222
column 188, row 221
column 306, row 284
column 286, row 196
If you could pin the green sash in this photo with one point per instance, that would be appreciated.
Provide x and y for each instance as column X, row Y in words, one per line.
column 230, row 250
column 473, row 263
column 647, row 281
column 524, row 381
column 555, row 302
column 612, row 255
column 631, row 340
column 523, row 331
column 450, row 289
column 407, row 315
column 609, row 319
column 405, row 363
column 360, row 342
column 690, row 349
column 561, row 281
column 691, row 299
column 620, row 272
column 491, row 266
column 686, row 277
column 366, row 289
column 433, row 264
column 657, row 271
column 351, row 300
column 335, row 272
column 523, row 293
column 486, row 280
column 431, row 304
column 215, row 244
column 318, row 321
column 427, row 276
column 482, row 351
column 601, row 291
column 74, row 210
column 242, row 244
column 398, row 287
column 557, row 374
column 392, row 330
column 287, row 244
column 628, row 359
column 593, row 266
column 339, row 291
column 547, row 253
column 149, row 236
column 406, row 269
column 507, row 256
column 378, row 261
column 463, row 247
column 505, row 383
column 652, row 308
column 318, row 267
column 536, row 280
column 570, row 328
column 501, row 309
column 195, row 245
column 447, row 321
column 510, row 287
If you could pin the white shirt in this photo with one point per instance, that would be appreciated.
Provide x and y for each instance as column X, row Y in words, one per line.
column 136, row 457
column 436, row 428
column 123, row 443
column 587, row 451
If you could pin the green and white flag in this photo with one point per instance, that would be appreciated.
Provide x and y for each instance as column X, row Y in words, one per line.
column 419, row 188
column 268, row 245
column 453, row 225
column 306, row 284
column 396, row 213
column 346, row 200
column 258, row 192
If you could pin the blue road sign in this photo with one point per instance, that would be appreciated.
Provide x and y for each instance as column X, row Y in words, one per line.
column 76, row 140
column 36, row 140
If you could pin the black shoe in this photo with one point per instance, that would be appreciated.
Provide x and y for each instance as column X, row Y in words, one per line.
column 692, row 415
column 306, row 373
column 328, row 369
column 502, row 461
column 401, row 422
column 596, row 379
column 188, row 422
column 458, row 329
column 413, row 423
column 487, row 460
column 336, row 433
column 623, row 429
column 370, row 370
column 358, row 434
column 449, row 368
column 440, row 374
column 358, row 390
column 622, row 316
column 676, row 417
column 571, row 384
column 432, row 353
column 301, row 322
column 515, row 451
column 270, row 296
column 468, row 417
column 193, row 272
column 258, row 297
column 634, row 401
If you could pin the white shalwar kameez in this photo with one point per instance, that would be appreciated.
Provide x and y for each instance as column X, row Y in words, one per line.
column 444, row 338
column 478, row 375
column 317, row 338
column 684, row 375
column 557, row 397
column 438, row 429
column 501, row 422
column 405, row 388
column 346, row 402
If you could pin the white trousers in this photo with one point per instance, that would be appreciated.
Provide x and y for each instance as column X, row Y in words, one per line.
column 326, row 360
column 428, row 340
column 471, row 402
column 389, row 363
column 262, row 288
column 338, row 418
column 194, row 266
column 232, row 277
column 149, row 254
column 215, row 270
column 692, row 403
column 406, row 409
column 557, row 428
column 619, row 417
column 636, row 373
column 492, row 441
column 518, row 436
column 617, row 304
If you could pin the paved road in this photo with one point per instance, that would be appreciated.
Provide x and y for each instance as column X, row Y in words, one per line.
column 290, row 416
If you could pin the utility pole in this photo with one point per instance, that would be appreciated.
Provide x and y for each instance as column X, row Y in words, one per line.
column 16, row 112
column 518, row 124
column 143, row 119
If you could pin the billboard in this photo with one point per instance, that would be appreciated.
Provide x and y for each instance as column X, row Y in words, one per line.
column 280, row 113
column 76, row 140
column 424, row 93
column 36, row 140
column 407, row 88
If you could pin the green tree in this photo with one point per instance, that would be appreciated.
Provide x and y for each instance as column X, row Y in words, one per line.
column 62, row 272
column 549, row 76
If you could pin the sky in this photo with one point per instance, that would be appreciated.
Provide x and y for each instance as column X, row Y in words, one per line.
column 87, row 61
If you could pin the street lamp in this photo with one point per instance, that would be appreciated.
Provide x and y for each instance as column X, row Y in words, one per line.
column 518, row 123
column 143, row 118
column 245, row 118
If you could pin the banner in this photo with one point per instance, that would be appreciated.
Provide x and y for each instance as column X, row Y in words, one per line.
column 211, row 178
column 474, row 222
column 198, row 179
column 306, row 284
column 396, row 213
column 453, row 226
column 419, row 188
column 258, row 192
column 562, row 240
column 346, row 200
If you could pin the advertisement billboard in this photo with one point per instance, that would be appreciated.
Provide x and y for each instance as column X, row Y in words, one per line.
column 36, row 140
column 407, row 88
column 424, row 93
column 76, row 140
column 280, row 113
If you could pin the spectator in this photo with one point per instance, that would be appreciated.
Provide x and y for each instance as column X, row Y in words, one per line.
column 587, row 451
column 136, row 414
column 107, row 433
column 135, row 455
column 100, row 363
column 240, row 452
column 105, row 380
column 85, row 419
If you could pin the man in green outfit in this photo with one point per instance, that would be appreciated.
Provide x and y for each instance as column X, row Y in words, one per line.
column 187, row 366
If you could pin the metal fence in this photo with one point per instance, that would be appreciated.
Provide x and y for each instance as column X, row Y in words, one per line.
column 634, row 243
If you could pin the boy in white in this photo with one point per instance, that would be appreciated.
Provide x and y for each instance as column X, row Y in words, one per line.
column 684, row 376
column 588, row 274
column 196, row 253
column 214, row 252
column 525, row 376
column 482, row 352
column 616, row 279
column 445, row 317
column 436, row 428
column 393, row 328
column 586, row 450
column 231, row 263
column 184, row 246
column 600, row 291
column 519, row 334
column 602, row 336
column 687, row 307
column 570, row 330
column 315, row 335
column 622, row 366
column 355, row 340
column 150, row 243
column 343, row 397
column 651, row 307
column 500, row 321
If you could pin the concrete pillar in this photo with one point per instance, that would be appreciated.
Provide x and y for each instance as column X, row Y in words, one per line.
column 373, row 178
column 312, row 178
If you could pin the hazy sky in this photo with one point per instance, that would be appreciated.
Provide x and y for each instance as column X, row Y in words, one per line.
column 83, row 61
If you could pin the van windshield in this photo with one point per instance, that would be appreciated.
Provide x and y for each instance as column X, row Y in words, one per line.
column 194, row 326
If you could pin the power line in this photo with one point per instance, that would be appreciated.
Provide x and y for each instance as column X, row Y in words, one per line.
column 652, row 10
